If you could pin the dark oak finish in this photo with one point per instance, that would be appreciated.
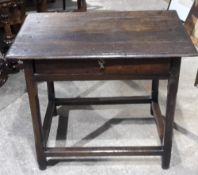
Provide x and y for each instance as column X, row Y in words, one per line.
column 108, row 67
column 104, row 151
column 103, row 100
column 35, row 110
column 41, row 5
column 82, row 5
column 170, row 110
column 158, row 119
column 196, row 79
column 154, row 92
column 102, row 35
column 102, row 46
column 51, row 94
column 48, row 120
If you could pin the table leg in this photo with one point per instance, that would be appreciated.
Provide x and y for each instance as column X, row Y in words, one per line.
column 154, row 93
column 64, row 4
column 51, row 93
column 35, row 111
column 41, row 5
column 82, row 5
column 170, row 111
column 196, row 79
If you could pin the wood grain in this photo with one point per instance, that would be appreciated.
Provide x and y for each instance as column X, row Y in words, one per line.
column 110, row 67
column 140, row 34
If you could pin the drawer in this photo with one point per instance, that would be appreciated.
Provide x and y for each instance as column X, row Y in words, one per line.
column 103, row 67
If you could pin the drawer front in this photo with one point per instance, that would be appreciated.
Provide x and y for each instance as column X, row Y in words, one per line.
column 103, row 67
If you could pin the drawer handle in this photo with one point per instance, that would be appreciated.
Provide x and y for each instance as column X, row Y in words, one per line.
column 101, row 64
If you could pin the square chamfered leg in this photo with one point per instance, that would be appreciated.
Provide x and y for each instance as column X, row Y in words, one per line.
column 51, row 94
column 35, row 111
column 154, row 92
column 155, row 109
column 196, row 79
column 41, row 5
column 170, row 110
column 82, row 5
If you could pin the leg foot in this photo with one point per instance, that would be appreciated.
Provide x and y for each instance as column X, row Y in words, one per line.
column 82, row 5
column 166, row 161
column 42, row 165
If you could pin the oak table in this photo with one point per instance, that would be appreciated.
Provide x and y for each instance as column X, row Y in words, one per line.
column 102, row 46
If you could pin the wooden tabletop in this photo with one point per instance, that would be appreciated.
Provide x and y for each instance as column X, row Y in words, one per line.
column 72, row 35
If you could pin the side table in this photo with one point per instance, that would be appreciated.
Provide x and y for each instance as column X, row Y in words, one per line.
column 102, row 46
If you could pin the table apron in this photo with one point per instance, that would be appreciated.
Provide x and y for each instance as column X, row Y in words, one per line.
column 63, row 70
